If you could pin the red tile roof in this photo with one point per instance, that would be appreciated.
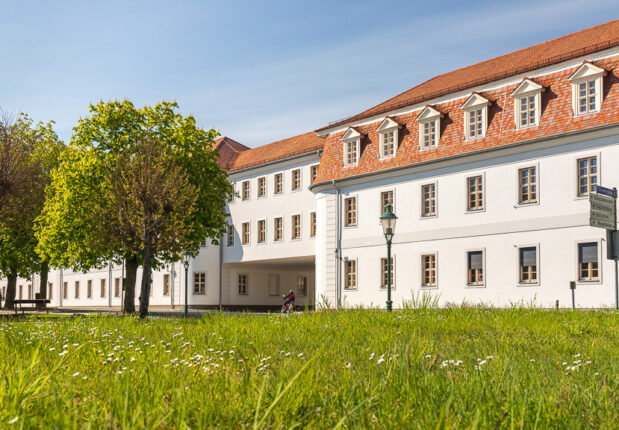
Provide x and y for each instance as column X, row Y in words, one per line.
column 228, row 150
column 554, row 51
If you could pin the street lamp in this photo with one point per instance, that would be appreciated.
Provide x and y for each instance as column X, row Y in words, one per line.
column 186, row 257
column 388, row 220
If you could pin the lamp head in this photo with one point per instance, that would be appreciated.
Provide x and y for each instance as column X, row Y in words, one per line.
column 186, row 257
column 388, row 221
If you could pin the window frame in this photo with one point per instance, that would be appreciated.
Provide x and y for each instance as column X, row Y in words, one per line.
column 313, row 173
column 264, row 232
column 537, row 281
column 293, row 187
column 313, row 225
column 470, row 210
column 380, row 201
column 351, row 262
column 422, row 284
column 383, row 273
column 586, row 156
column 422, row 200
column 246, row 284
column 586, row 73
column 356, row 142
column 356, row 212
column 388, row 125
column 472, row 104
column 193, row 288
column 426, row 116
column 293, row 235
column 302, row 275
column 248, row 224
column 102, row 286
column 243, row 184
column 231, row 232
column 281, row 230
column 279, row 175
column 599, row 280
column 519, row 169
column 262, row 187
column 166, row 276
column 483, row 268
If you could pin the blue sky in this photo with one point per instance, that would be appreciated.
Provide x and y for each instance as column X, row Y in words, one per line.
column 256, row 71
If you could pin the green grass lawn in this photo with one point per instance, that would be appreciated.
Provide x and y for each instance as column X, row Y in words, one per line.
column 449, row 368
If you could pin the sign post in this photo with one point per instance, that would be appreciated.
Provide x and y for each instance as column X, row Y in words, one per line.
column 603, row 214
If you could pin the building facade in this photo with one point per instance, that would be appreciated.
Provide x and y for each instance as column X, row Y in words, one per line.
column 488, row 168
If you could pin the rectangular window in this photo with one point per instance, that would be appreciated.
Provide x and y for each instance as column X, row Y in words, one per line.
column 588, row 262
column 273, row 285
column 50, row 290
column 351, row 156
column 587, row 175
column 278, row 229
column 475, row 193
column 296, row 226
column 245, row 195
column 21, row 292
column 230, row 235
column 243, row 284
column 314, row 173
column 262, row 231
column 117, row 287
column 199, row 283
column 475, row 262
column 166, row 284
column 388, row 144
column 102, row 286
column 262, row 187
column 428, row 273
column 528, row 185
column 302, row 285
column 232, row 196
column 428, row 200
column 29, row 291
column 65, row 290
column 245, row 231
column 350, row 209
column 350, row 270
column 385, row 271
column 296, row 179
column 89, row 289
column 278, row 186
column 528, row 265
column 475, row 123
column 386, row 197
column 587, row 97
column 312, row 224
column 528, row 108
column 429, row 134
column 77, row 289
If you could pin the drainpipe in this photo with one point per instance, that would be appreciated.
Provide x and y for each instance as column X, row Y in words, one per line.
column 221, row 269
column 109, row 284
column 61, row 289
column 338, row 249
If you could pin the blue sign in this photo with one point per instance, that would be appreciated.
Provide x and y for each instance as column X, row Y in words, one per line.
column 610, row 192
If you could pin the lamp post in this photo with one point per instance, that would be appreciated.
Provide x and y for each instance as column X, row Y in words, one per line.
column 186, row 257
column 388, row 220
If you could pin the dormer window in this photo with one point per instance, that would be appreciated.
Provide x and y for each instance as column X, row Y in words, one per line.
column 527, row 103
column 388, row 132
column 587, row 89
column 475, row 116
column 351, row 141
column 429, row 120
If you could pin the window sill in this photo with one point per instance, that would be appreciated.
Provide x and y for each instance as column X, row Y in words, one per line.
column 528, row 284
column 527, row 204
column 472, row 286
column 350, row 289
column 199, row 294
column 589, row 282
column 350, row 226
column 475, row 211
column 428, row 216
column 429, row 287
column 385, row 288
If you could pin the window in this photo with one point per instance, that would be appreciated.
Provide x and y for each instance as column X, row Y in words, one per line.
column 232, row 196
column 527, row 179
column 386, row 197
column 245, row 233
column 429, row 135
column 77, row 289
column 428, row 200
column 273, row 285
column 278, row 229
column 199, row 283
column 587, row 175
column 588, row 262
column 262, row 187
column 29, row 291
column 312, row 224
column 527, row 103
column 50, row 290
column 65, row 290
column 429, row 120
column 475, row 116
column 528, row 265
column 475, row 193
column 278, row 180
column 388, row 135
column 475, row 262
column 351, row 152
column 166, row 284
column 587, row 86
column 385, row 271
column 245, row 195
column 89, row 289
column 475, row 123
column 296, row 180
column 262, row 231
column 302, row 285
column 21, row 292
column 296, row 226
column 117, row 287
column 230, row 235
column 102, row 286
column 242, row 284
column 428, row 270
column 313, row 173
column 350, row 209
column 350, row 270
column 587, row 97
column 527, row 111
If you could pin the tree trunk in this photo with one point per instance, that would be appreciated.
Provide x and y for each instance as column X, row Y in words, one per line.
column 43, row 282
column 147, row 269
column 131, row 268
column 10, row 291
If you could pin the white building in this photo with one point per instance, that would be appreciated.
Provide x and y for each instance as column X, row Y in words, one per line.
column 488, row 169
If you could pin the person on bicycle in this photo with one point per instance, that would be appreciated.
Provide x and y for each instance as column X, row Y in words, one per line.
column 289, row 299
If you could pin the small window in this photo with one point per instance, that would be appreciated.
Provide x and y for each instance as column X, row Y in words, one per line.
column 302, row 285
column 587, row 97
column 350, row 208
column 527, row 179
column 296, row 179
column 29, row 291
column 386, row 197
column 528, row 265
column 230, row 235
column 475, row 123
column 245, row 233
column 428, row 200
column 387, row 144
column 296, row 226
column 278, row 229
column 77, row 289
column 262, row 187
column 588, row 262
column 386, row 271
column 102, row 281
column 314, row 173
column 50, row 290
column 166, row 284
column 350, row 270
column 587, row 175
column 232, row 196
column 262, row 231
column 312, row 224
column 351, row 152
column 428, row 270
column 429, row 134
column 475, row 193
column 527, row 111
column 242, row 284
column 245, row 190
column 199, row 283
column 117, row 287
column 475, row 262
column 278, row 182
column 65, row 290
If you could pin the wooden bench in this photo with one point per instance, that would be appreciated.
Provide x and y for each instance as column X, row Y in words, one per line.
column 35, row 302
